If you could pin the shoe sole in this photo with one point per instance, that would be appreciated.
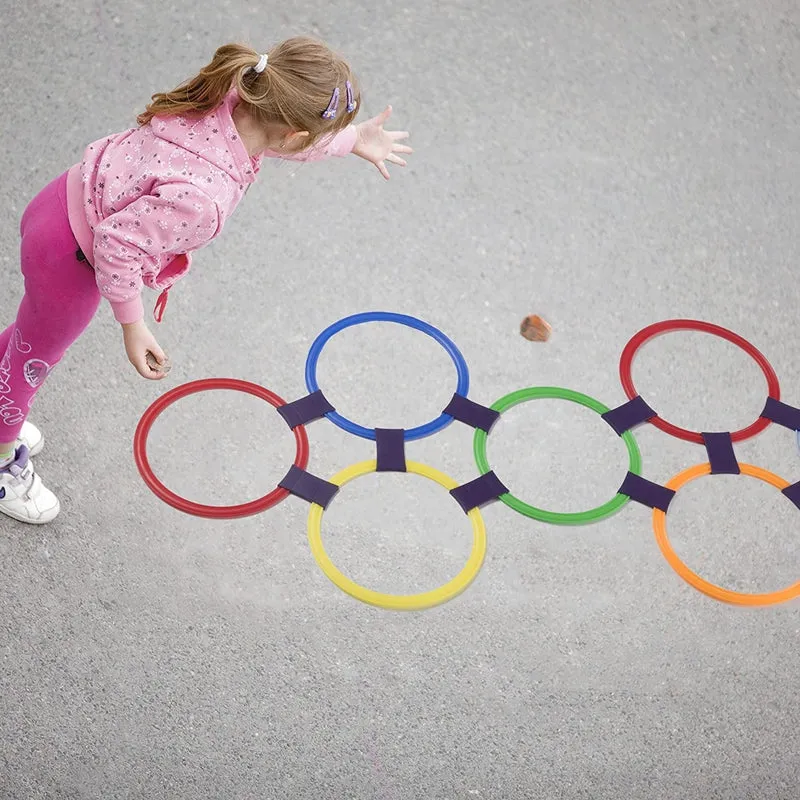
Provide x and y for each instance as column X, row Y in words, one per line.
column 28, row 520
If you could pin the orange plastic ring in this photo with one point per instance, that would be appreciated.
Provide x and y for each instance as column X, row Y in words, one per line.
column 692, row 578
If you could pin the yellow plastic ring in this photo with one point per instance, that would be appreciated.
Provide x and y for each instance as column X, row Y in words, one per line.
column 692, row 578
column 398, row 602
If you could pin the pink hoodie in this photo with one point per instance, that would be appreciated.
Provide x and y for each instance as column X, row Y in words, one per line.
column 142, row 200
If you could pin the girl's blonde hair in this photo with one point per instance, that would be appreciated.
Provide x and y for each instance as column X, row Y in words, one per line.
column 294, row 89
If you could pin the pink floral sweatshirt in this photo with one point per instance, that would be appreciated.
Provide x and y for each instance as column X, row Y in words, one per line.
column 141, row 201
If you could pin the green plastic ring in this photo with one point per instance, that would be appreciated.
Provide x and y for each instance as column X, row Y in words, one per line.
column 557, row 393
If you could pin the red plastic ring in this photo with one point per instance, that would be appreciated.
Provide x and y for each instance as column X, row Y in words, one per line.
column 198, row 509
column 668, row 326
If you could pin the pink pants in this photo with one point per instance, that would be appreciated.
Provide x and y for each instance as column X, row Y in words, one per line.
column 61, row 297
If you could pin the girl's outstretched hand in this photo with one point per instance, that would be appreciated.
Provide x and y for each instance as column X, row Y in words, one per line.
column 378, row 146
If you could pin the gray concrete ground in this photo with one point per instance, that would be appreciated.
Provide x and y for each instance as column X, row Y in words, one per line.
column 605, row 164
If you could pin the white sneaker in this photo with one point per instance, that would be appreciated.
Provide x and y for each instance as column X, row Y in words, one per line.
column 31, row 437
column 22, row 495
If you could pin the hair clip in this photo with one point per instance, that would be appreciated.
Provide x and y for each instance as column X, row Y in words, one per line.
column 333, row 106
column 351, row 104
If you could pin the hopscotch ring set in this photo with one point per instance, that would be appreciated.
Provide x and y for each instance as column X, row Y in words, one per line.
column 471, row 496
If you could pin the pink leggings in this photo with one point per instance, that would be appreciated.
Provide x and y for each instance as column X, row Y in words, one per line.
column 61, row 297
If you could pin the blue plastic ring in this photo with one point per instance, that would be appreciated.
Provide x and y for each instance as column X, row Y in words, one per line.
column 421, row 431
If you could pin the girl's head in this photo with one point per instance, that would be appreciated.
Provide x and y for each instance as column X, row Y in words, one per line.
column 290, row 95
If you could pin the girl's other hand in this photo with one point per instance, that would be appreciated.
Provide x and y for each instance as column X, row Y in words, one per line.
column 378, row 146
column 138, row 342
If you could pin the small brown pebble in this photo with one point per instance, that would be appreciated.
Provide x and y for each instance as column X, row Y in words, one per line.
column 535, row 329
column 154, row 365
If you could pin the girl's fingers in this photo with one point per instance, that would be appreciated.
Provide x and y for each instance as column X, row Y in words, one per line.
column 396, row 135
column 157, row 364
column 396, row 160
column 402, row 148
column 382, row 169
column 144, row 370
column 384, row 115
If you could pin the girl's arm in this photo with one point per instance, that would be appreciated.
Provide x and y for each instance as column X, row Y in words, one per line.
column 368, row 140
column 175, row 218
column 339, row 145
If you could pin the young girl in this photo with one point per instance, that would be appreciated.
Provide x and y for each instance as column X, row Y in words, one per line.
column 141, row 201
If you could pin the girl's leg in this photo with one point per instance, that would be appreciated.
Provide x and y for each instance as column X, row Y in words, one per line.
column 60, row 299
column 40, row 338
column 5, row 337
column 6, row 448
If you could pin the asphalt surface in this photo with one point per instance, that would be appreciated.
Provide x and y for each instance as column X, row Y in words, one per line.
column 606, row 165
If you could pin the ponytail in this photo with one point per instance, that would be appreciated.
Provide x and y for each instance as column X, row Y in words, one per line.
column 207, row 90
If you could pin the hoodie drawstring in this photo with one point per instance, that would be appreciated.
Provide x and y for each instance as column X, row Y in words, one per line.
column 161, row 305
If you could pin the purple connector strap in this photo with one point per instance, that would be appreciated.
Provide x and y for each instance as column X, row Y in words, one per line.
column 793, row 493
column 308, row 487
column 720, row 454
column 788, row 416
column 471, row 413
column 629, row 415
column 646, row 492
column 308, row 408
column 478, row 492
column 391, row 450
